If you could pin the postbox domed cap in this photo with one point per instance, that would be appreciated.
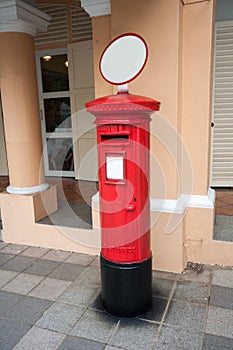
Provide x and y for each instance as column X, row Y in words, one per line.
column 122, row 102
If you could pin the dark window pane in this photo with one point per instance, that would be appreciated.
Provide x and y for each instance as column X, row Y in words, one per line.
column 60, row 154
column 55, row 74
column 57, row 114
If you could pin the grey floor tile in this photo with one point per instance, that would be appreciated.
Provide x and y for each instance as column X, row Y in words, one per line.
column 97, row 303
column 67, row 272
column 10, row 333
column 203, row 275
column 3, row 244
column 7, row 301
column 155, row 313
column 162, row 287
column 61, row 317
column 192, row 291
column 91, row 275
column 220, row 322
column 34, row 252
column 5, row 257
column 76, row 343
column 223, row 278
column 50, row 288
column 110, row 347
column 164, row 275
column 18, row 263
column 28, row 310
column 37, row 338
column 14, row 248
column 79, row 294
column 6, row 276
column 134, row 334
column 42, row 267
column 221, row 297
column 23, row 283
column 57, row 255
column 176, row 338
column 96, row 262
column 95, row 325
column 186, row 315
column 80, row 259
column 213, row 342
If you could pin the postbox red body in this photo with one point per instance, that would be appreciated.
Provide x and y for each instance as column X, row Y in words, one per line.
column 123, row 136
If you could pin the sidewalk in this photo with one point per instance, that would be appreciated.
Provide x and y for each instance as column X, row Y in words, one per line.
column 50, row 300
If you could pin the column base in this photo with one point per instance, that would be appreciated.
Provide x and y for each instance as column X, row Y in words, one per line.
column 27, row 190
column 126, row 288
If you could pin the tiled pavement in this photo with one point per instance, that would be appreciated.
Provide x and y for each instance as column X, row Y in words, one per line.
column 51, row 300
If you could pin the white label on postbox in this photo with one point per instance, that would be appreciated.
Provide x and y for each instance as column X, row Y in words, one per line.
column 115, row 167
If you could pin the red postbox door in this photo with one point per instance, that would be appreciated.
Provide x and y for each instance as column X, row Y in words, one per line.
column 124, row 204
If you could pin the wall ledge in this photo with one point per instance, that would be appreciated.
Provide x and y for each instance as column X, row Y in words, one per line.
column 97, row 8
column 178, row 205
column 18, row 16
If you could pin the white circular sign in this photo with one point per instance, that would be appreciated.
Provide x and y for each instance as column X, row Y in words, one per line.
column 123, row 59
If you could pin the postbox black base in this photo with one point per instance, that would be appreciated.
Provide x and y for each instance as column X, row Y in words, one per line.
column 126, row 288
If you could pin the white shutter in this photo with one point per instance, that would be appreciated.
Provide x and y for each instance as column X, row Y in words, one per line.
column 81, row 79
column 222, row 137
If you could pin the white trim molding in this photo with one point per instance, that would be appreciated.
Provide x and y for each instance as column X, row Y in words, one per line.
column 179, row 205
column 18, row 16
column 96, row 8
column 27, row 190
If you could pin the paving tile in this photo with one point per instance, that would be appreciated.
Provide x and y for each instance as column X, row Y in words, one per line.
column 220, row 322
column 67, row 272
column 80, row 259
column 42, row 267
column 91, row 275
column 97, row 303
column 28, row 310
column 34, row 252
column 50, row 288
column 134, row 334
column 186, row 315
column 23, row 283
column 5, row 257
column 164, row 274
column 155, row 313
column 203, row 276
column 76, row 343
column 110, row 347
column 3, row 244
column 61, row 317
column 162, row 287
column 18, row 263
column 213, row 342
column 57, row 255
column 7, row 301
column 37, row 338
column 79, row 294
column 6, row 276
column 176, row 338
column 192, row 291
column 11, row 332
column 14, row 248
column 96, row 262
column 95, row 325
column 223, row 278
column 221, row 297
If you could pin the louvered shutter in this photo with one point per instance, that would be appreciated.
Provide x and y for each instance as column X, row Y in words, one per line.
column 222, row 137
column 58, row 27
column 81, row 24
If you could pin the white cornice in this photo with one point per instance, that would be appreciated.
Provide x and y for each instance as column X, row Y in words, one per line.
column 97, row 8
column 18, row 16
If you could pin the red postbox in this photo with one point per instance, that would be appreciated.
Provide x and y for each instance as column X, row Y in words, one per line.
column 123, row 138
